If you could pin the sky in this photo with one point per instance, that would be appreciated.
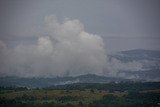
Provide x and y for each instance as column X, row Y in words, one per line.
column 38, row 35
column 124, row 24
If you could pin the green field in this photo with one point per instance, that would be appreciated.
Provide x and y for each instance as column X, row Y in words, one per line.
column 83, row 95
column 62, row 97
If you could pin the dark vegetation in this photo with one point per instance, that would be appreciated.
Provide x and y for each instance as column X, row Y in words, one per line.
column 46, row 82
column 83, row 95
column 131, row 100
column 123, row 86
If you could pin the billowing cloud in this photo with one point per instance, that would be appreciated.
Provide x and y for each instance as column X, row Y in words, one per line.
column 66, row 50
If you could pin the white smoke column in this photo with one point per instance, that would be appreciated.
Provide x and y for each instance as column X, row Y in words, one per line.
column 74, row 50
column 67, row 50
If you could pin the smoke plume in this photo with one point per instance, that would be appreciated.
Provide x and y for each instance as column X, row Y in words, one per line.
column 66, row 50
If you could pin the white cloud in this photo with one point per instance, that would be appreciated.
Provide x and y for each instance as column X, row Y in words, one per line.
column 68, row 50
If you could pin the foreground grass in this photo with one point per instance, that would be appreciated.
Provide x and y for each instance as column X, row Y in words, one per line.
column 79, row 98
column 62, row 97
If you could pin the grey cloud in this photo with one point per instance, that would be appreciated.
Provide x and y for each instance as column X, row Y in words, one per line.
column 67, row 50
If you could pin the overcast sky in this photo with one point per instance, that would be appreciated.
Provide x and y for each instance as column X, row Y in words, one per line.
column 123, row 24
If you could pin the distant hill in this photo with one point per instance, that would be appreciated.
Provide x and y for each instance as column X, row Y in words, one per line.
column 46, row 82
column 149, row 59
column 137, row 54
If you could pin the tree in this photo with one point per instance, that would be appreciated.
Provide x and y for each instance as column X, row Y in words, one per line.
column 92, row 91
column 80, row 104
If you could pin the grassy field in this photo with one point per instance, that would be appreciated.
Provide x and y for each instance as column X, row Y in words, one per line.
column 57, row 96
column 83, row 95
